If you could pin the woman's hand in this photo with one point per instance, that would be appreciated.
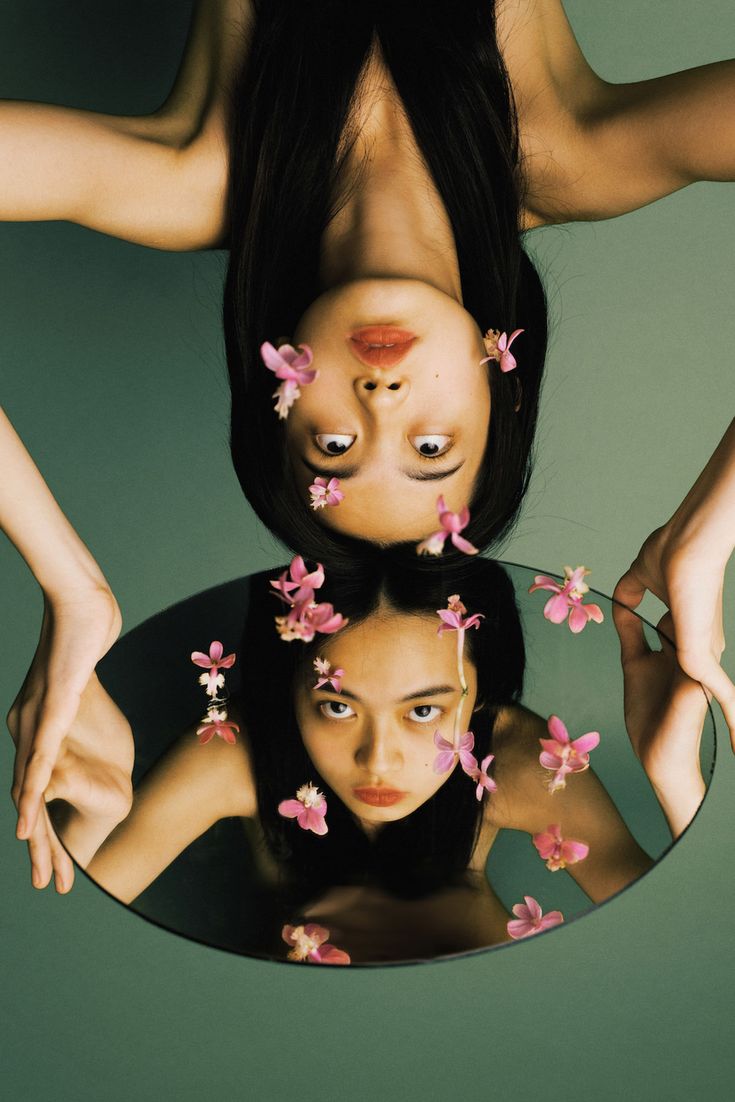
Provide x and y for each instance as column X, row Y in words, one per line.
column 687, row 574
column 664, row 717
column 78, row 629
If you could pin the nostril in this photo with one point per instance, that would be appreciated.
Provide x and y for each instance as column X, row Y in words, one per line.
column 370, row 386
column 393, row 386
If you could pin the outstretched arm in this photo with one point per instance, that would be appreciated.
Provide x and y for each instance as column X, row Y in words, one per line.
column 157, row 180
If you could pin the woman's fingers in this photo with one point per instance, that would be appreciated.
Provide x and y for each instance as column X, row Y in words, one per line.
column 39, row 851
column 630, row 633
column 630, row 588
column 707, row 670
column 63, row 865
column 57, row 714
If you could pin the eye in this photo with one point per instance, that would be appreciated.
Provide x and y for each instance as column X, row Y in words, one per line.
column 336, row 709
column 431, row 446
column 424, row 713
column 334, row 443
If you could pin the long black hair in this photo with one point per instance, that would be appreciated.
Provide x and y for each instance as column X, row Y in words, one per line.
column 290, row 106
column 431, row 847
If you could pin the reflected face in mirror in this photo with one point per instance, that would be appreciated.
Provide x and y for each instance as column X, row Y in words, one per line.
column 398, row 418
column 373, row 742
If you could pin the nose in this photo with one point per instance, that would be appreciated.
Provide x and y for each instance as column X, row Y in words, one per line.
column 381, row 390
column 378, row 752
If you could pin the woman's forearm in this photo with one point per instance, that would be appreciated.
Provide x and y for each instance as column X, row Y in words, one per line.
column 34, row 523
column 707, row 513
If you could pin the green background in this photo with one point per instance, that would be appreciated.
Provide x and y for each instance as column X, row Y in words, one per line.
column 112, row 371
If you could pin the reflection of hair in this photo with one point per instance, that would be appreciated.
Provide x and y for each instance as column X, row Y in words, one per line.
column 431, row 847
column 290, row 107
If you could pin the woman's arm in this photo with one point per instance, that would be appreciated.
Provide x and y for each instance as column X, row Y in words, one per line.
column 190, row 789
column 583, row 810
column 157, row 180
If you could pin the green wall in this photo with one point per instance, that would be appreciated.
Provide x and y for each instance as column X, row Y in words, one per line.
column 111, row 368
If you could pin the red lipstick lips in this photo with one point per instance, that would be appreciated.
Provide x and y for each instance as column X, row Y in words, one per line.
column 379, row 797
column 380, row 345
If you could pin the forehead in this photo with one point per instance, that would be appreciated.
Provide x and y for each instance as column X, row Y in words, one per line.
column 395, row 651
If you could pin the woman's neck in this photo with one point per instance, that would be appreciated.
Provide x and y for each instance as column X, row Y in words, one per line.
column 392, row 223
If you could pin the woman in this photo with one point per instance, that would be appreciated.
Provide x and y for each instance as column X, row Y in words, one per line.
column 394, row 862
column 162, row 181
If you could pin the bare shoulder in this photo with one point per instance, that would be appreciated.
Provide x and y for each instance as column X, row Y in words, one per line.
column 516, row 768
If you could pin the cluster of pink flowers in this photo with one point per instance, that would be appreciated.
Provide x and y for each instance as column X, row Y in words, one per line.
column 215, row 722
column 563, row 756
column 497, row 345
column 296, row 587
column 309, row 943
column 451, row 524
column 566, row 604
column 290, row 366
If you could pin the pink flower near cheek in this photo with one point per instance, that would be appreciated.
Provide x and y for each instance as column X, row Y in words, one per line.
column 213, row 662
column 325, row 493
column 293, row 368
column 216, row 723
column 531, row 920
column 448, row 755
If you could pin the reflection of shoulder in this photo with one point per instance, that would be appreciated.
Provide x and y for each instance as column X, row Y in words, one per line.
column 516, row 747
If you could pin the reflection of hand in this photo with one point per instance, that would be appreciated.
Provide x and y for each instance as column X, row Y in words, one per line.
column 664, row 716
column 77, row 630
column 688, row 576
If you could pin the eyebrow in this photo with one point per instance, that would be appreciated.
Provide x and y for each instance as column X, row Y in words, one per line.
column 420, row 694
column 343, row 473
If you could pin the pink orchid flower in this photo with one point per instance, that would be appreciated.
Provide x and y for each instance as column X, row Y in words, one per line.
column 452, row 616
column 328, row 676
column 479, row 774
column 498, row 345
column 214, row 662
column 309, row 944
column 216, row 723
column 562, row 755
column 297, row 585
column 309, row 809
column 293, row 368
column 325, row 493
column 304, row 621
column 451, row 525
column 556, row 851
column 531, row 920
column 444, row 760
column 568, row 599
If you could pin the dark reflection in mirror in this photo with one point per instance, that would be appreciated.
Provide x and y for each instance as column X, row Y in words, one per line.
column 452, row 762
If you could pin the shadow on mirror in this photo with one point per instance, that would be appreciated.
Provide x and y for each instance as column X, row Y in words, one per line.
column 403, row 763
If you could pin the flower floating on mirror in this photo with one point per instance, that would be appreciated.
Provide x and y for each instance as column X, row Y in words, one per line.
column 296, row 587
column 309, row 944
column 530, row 919
column 325, row 492
column 328, row 676
column 567, row 599
column 562, row 755
column 216, row 723
column 214, row 662
column 309, row 809
column 451, row 526
column 293, row 368
column 497, row 345
column 556, row 851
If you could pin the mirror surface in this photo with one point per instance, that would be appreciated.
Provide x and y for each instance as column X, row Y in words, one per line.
column 234, row 760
